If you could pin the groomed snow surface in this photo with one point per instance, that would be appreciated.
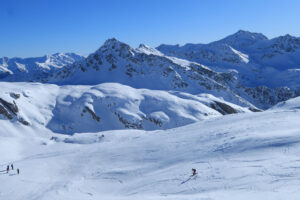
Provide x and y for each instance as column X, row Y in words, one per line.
column 240, row 156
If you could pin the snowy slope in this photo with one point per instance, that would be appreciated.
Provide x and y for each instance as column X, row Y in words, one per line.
column 291, row 104
column 108, row 106
column 242, row 156
column 27, row 69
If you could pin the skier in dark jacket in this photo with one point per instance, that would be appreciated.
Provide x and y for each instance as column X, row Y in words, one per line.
column 194, row 172
column 12, row 166
column 18, row 171
column 7, row 169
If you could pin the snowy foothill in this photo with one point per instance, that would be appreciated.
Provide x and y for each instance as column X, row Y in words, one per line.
column 240, row 156
column 76, row 109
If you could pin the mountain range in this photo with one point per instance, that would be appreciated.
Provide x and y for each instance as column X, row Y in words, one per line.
column 168, row 86
column 132, row 123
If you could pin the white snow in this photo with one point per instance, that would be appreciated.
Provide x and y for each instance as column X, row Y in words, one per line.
column 108, row 106
column 291, row 104
column 148, row 50
column 244, row 57
column 130, row 124
column 242, row 156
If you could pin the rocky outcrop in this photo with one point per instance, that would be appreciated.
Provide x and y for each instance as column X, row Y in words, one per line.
column 12, row 107
column 223, row 108
column 92, row 113
column 10, row 111
column 5, row 112
column 15, row 95
column 267, row 97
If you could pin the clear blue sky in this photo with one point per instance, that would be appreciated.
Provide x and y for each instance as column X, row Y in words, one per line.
column 39, row 27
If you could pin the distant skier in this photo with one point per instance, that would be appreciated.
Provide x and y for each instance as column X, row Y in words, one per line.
column 12, row 166
column 18, row 171
column 7, row 169
column 194, row 172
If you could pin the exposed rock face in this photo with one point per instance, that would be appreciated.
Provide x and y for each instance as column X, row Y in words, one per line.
column 93, row 114
column 223, row 108
column 5, row 112
column 24, row 122
column 15, row 95
column 10, row 111
column 267, row 97
column 12, row 107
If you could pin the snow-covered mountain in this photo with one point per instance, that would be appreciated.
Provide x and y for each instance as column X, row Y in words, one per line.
column 256, row 59
column 245, row 68
column 68, row 126
column 146, row 67
column 108, row 106
column 29, row 69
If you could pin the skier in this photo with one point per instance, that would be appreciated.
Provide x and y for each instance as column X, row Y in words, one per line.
column 194, row 172
column 18, row 171
column 12, row 166
column 7, row 169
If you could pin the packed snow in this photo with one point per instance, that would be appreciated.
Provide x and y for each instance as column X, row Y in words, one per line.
column 241, row 156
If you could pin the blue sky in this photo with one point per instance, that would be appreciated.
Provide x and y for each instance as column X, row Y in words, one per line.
column 39, row 27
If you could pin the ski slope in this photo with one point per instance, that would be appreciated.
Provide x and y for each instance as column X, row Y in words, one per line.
column 241, row 156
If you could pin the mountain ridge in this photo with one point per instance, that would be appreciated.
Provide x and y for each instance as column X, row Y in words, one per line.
column 225, row 72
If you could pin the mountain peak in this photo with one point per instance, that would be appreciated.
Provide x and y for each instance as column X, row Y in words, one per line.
column 243, row 33
column 114, row 45
column 286, row 37
column 242, row 39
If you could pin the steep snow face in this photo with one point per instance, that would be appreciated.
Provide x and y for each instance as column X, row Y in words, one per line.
column 148, row 50
column 109, row 106
column 258, row 60
column 26, row 69
column 243, row 156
